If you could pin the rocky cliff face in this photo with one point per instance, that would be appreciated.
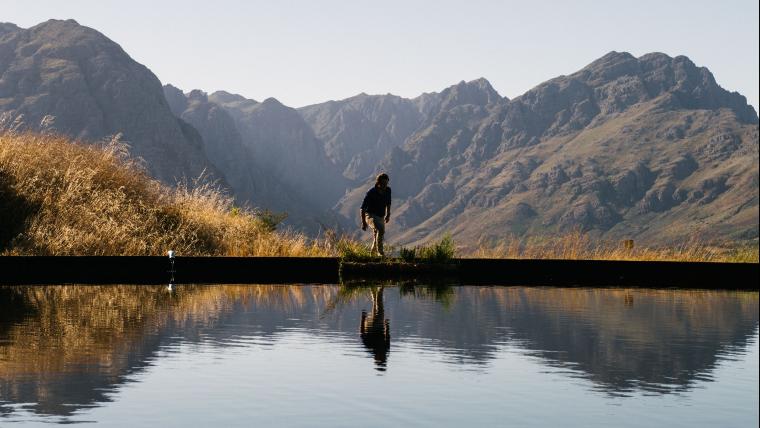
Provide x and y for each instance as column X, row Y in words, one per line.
column 649, row 148
column 222, row 143
column 262, row 149
column 285, row 149
column 359, row 131
column 94, row 89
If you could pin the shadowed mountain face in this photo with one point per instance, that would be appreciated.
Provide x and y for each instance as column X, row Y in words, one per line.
column 94, row 90
column 266, row 152
column 222, row 143
column 66, row 348
column 284, row 149
column 359, row 132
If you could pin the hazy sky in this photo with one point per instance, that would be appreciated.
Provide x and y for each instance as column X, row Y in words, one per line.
column 305, row 52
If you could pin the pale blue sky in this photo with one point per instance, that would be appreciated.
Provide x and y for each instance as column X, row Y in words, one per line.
column 305, row 52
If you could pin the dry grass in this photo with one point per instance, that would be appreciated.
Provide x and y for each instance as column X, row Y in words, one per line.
column 69, row 198
column 96, row 326
column 579, row 246
column 59, row 197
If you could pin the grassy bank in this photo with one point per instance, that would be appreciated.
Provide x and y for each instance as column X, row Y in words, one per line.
column 579, row 246
column 59, row 197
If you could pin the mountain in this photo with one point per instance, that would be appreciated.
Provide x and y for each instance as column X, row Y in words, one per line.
column 649, row 148
column 259, row 146
column 297, row 175
column 94, row 90
column 360, row 131
column 222, row 143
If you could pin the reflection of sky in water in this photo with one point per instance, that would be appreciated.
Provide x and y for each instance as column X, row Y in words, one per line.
column 485, row 357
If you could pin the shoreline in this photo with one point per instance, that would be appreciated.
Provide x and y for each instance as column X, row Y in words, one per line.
column 49, row 270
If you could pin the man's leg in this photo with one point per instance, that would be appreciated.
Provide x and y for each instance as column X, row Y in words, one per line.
column 371, row 222
column 380, row 230
column 374, row 242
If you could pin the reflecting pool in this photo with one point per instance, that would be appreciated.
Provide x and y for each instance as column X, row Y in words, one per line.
column 392, row 355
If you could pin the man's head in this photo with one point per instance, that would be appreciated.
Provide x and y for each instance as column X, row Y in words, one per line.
column 382, row 181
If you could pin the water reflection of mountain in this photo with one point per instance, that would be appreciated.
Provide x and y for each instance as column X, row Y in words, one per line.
column 67, row 348
column 657, row 341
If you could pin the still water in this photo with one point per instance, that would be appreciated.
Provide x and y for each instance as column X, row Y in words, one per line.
column 377, row 356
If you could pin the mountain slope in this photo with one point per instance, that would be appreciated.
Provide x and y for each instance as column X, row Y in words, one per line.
column 360, row 131
column 222, row 143
column 297, row 175
column 94, row 89
column 649, row 148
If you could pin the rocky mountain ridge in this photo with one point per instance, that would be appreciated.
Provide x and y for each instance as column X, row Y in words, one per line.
column 649, row 148
column 94, row 89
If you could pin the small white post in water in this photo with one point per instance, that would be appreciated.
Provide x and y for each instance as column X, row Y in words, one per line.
column 171, row 271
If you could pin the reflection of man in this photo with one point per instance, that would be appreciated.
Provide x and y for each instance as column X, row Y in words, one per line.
column 375, row 331
column 376, row 209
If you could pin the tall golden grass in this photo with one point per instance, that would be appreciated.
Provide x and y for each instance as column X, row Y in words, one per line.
column 72, row 198
column 93, row 199
column 76, row 326
column 580, row 246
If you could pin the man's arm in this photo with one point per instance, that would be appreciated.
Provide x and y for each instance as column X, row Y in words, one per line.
column 363, row 212
column 388, row 206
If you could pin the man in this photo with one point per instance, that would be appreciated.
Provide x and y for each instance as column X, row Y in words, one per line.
column 376, row 209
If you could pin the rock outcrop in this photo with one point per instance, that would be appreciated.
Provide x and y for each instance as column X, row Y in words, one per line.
column 650, row 148
column 94, row 89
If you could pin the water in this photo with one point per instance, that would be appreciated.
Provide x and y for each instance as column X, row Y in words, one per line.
column 377, row 356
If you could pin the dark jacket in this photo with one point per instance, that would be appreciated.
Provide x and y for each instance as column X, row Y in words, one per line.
column 375, row 203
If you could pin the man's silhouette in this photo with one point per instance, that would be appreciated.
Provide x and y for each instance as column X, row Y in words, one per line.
column 376, row 210
column 375, row 331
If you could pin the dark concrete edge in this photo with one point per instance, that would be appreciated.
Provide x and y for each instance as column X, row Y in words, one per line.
column 154, row 270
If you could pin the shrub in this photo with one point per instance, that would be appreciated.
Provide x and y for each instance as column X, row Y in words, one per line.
column 408, row 254
column 352, row 251
column 440, row 252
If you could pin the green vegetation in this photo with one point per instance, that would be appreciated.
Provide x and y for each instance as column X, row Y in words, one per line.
column 407, row 255
column 352, row 251
column 442, row 251
column 442, row 293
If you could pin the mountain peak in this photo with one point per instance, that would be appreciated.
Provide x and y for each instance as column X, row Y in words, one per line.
column 76, row 69
column 7, row 27
column 272, row 102
column 674, row 82
column 197, row 95
column 223, row 97
column 477, row 92
column 175, row 98
column 64, row 27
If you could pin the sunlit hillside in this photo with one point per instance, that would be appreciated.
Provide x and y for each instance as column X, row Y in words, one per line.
column 62, row 197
